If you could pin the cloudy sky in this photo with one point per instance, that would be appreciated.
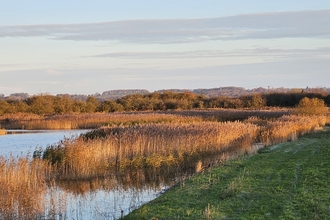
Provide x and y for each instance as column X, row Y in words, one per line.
column 84, row 47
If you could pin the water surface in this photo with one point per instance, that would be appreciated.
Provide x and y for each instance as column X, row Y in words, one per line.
column 22, row 142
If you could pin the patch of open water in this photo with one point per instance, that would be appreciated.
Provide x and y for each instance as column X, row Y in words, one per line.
column 22, row 142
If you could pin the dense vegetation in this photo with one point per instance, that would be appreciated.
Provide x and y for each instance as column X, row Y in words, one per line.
column 48, row 104
column 314, row 106
column 167, row 148
column 141, row 146
column 285, row 181
column 137, row 153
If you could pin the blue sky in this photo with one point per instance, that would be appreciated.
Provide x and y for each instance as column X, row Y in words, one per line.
column 84, row 47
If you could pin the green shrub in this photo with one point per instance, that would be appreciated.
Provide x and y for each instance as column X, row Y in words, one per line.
column 54, row 154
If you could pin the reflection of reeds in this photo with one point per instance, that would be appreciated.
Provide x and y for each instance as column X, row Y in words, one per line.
column 55, row 201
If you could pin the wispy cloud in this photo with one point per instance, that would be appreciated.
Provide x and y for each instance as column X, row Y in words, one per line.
column 280, row 73
column 264, row 52
column 248, row 26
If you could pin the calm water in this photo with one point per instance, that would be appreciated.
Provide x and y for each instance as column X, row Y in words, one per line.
column 99, row 204
column 104, row 200
column 23, row 142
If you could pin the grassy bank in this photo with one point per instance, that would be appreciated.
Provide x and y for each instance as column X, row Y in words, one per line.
column 285, row 181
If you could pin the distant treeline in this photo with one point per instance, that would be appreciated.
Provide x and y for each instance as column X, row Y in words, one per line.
column 49, row 104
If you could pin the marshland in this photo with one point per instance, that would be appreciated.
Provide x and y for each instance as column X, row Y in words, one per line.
column 140, row 145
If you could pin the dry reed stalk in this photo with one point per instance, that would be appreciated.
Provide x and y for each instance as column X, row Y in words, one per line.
column 3, row 131
column 172, row 147
column 20, row 117
column 138, row 152
column 86, row 121
column 22, row 188
column 233, row 114
column 93, row 120
column 290, row 127
column 150, row 146
column 199, row 166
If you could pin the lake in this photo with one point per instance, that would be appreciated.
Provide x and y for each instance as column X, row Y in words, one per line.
column 94, row 199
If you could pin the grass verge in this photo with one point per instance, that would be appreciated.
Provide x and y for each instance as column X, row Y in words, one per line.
column 286, row 181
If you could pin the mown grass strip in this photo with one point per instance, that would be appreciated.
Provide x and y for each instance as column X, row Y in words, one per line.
column 289, row 181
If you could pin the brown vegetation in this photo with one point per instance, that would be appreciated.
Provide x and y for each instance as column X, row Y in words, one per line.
column 167, row 147
column 87, row 121
column 95, row 120
column 288, row 128
column 22, row 188
column 141, row 147
column 157, row 101
column 312, row 106
column 3, row 131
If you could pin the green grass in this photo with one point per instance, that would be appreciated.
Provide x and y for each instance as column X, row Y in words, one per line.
column 285, row 181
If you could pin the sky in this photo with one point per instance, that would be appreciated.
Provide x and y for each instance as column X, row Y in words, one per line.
column 85, row 47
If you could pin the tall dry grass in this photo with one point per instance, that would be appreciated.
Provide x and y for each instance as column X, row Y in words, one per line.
column 95, row 120
column 223, row 115
column 136, row 153
column 22, row 188
column 288, row 128
column 3, row 131
column 170, row 148
column 87, row 121
column 27, row 192
column 151, row 146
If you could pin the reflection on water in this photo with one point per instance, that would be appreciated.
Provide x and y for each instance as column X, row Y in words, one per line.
column 99, row 198
column 96, row 204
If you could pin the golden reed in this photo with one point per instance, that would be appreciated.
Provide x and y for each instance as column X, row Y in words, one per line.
column 137, row 152
column 95, row 120
column 23, row 188
column 3, row 131
column 87, row 121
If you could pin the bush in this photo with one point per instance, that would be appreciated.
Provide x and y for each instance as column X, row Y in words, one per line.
column 53, row 153
column 313, row 106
